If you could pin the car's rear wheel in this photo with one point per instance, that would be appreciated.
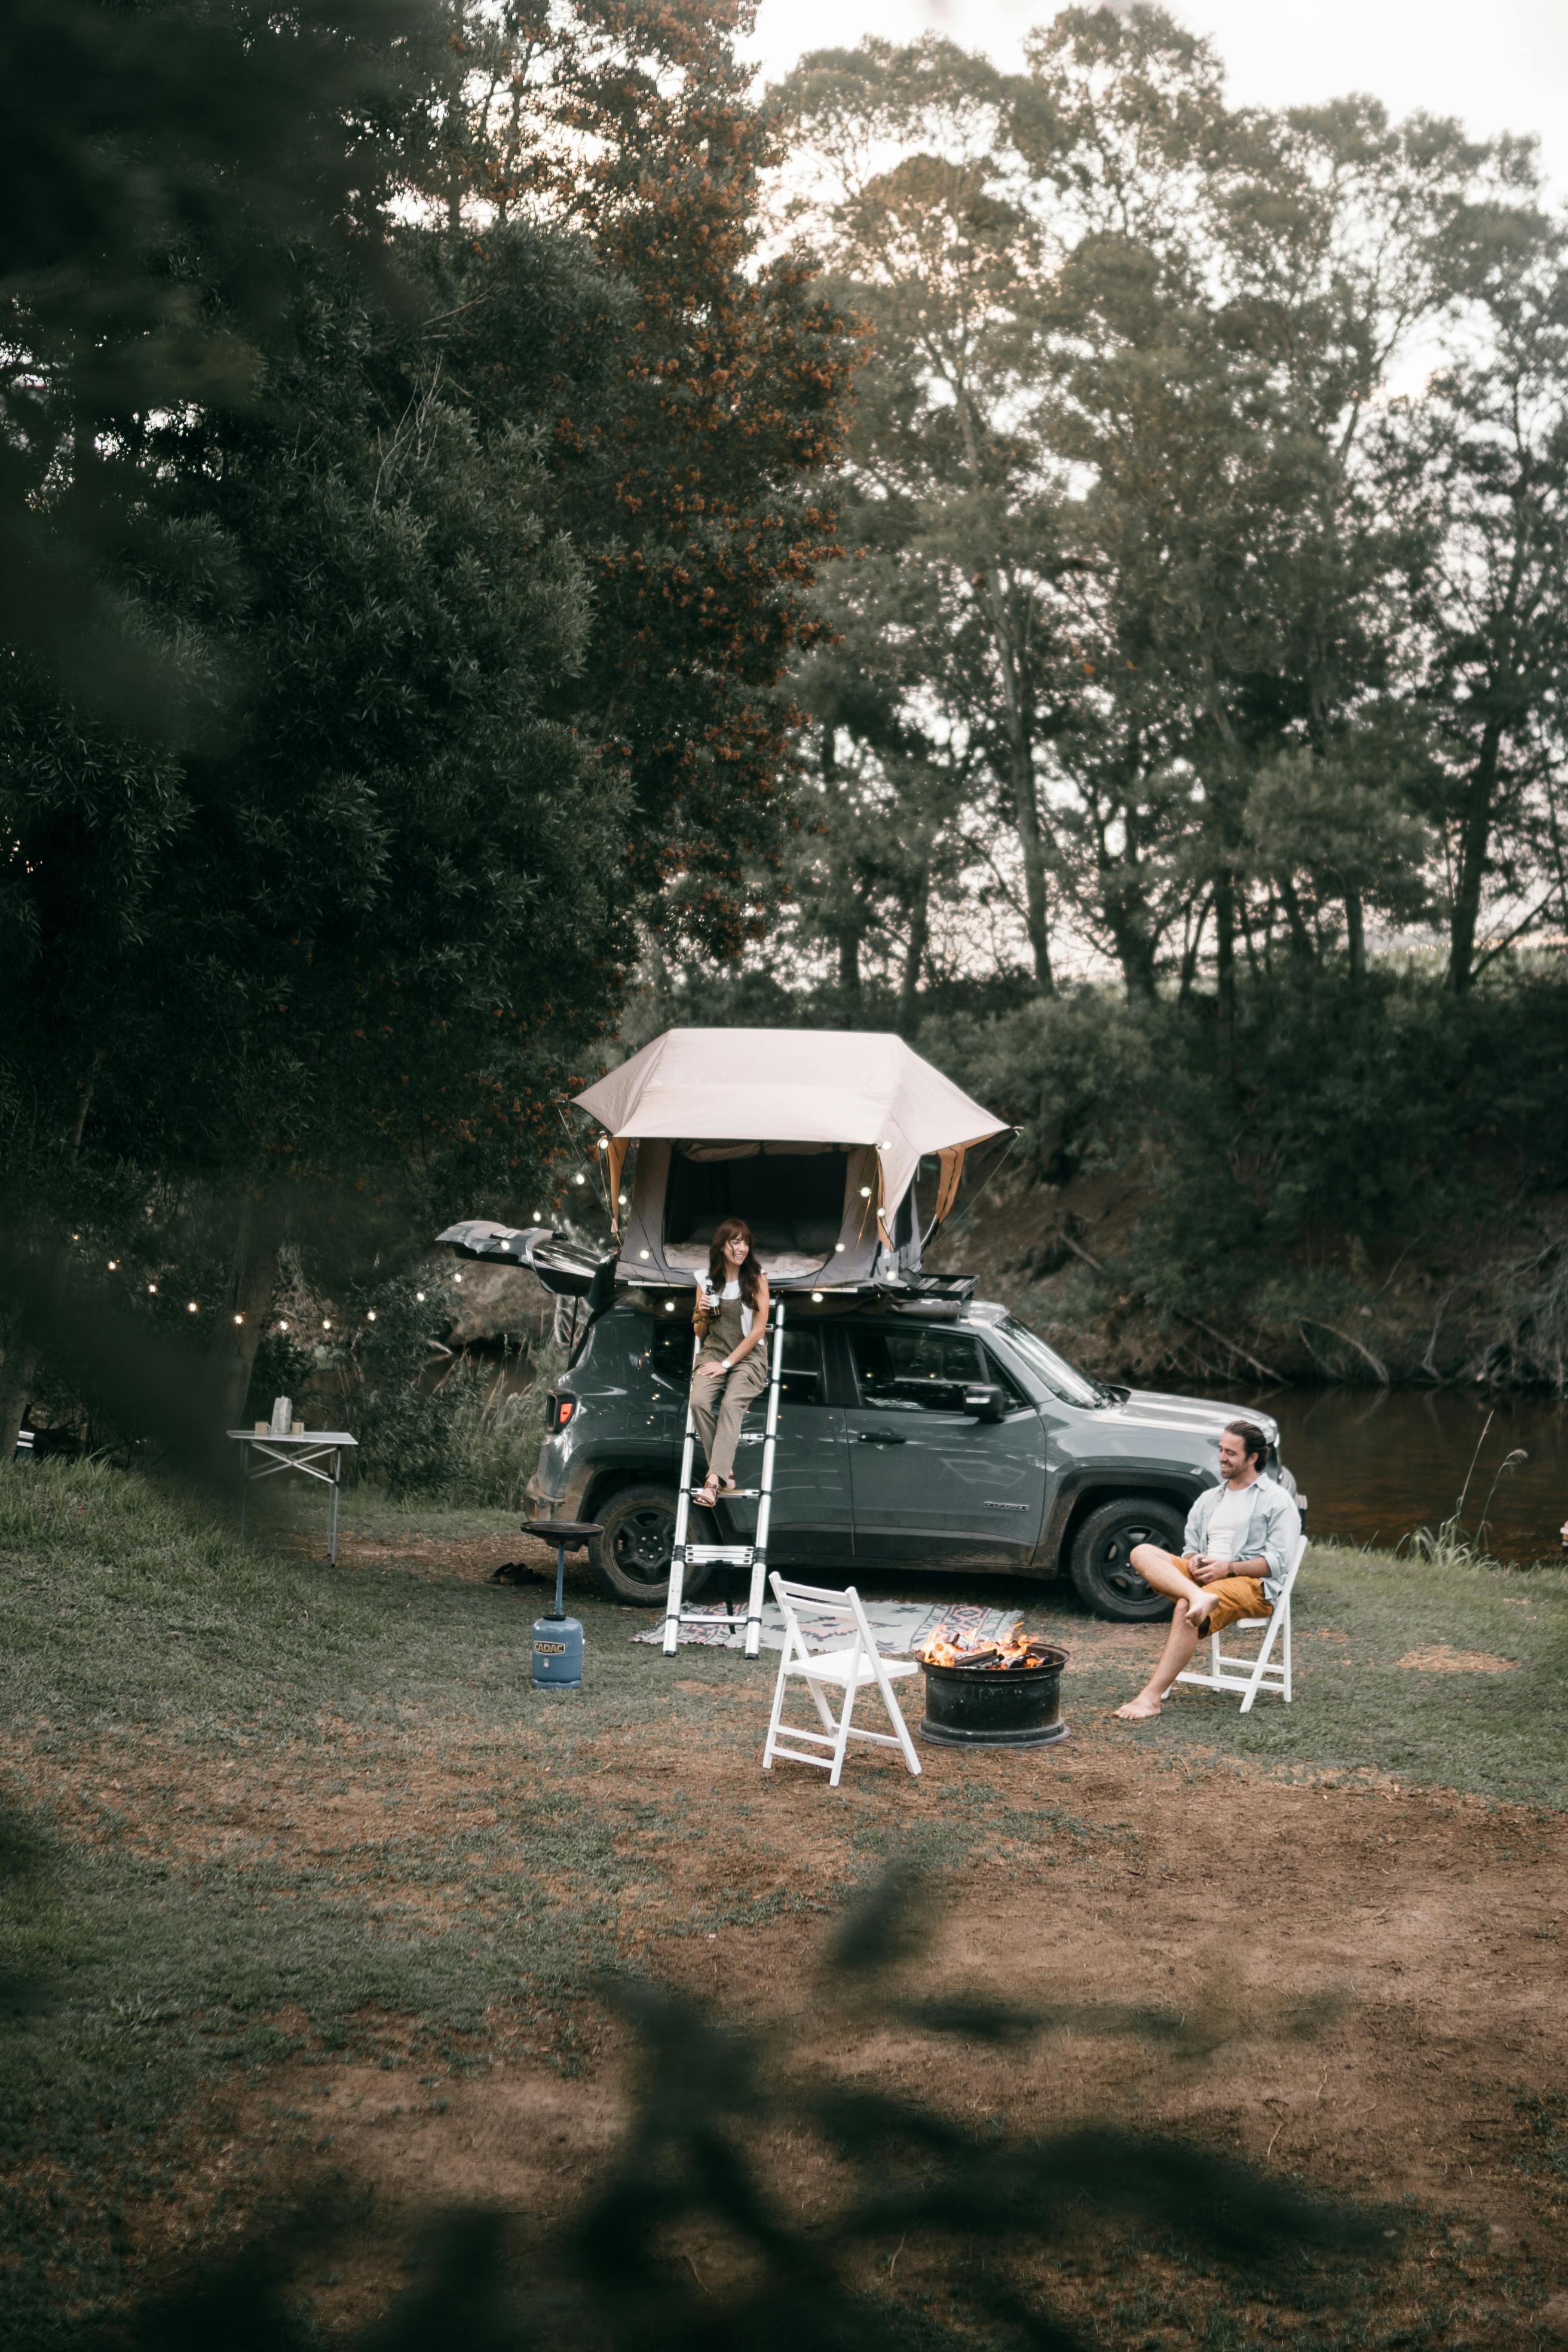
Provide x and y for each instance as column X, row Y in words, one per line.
column 631, row 1557
column 1101, row 1563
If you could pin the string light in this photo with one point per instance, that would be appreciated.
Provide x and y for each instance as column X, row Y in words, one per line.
column 239, row 1318
column 621, row 1199
column 864, row 1192
column 642, row 1253
column 152, row 1288
column 838, row 1249
column 604, row 1143
column 816, row 1298
column 669, row 1306
column 191, row 1307
column 114, row 1265
column 456, row 1277
column 282, row 1326
column 326, row 1322
column 370, row 1317
column 579, row 1177
column 419, row 1295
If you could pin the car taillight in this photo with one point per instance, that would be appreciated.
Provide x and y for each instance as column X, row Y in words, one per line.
column 559, row 1411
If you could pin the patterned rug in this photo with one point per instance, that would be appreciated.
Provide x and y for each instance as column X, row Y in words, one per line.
column 898, row 1625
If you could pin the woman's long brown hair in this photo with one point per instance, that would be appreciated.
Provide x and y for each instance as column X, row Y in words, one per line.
column 750, row 1276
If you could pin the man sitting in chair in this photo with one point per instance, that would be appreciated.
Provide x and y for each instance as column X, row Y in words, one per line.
column 1240, row 1538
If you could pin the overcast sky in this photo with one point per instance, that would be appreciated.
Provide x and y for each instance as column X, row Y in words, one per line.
column 1499, row 67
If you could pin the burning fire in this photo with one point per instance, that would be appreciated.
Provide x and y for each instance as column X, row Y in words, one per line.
column 1019, row 1650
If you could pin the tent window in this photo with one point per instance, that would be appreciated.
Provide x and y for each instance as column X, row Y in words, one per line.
column 792, row 1200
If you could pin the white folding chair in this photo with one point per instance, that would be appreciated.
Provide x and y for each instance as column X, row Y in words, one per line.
column 852, row 1665
column 1250, row 1676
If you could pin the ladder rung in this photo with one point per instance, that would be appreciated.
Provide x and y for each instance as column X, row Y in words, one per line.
column 732, row 1494
column 737, row 1555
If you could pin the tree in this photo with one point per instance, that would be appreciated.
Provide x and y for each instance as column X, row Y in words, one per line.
column 132, row 143
column 1126, row 341
column 697, row 490
column 1479, row 468
column 485, row 616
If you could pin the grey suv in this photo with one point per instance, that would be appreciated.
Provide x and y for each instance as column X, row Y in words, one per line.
column 908, row 1437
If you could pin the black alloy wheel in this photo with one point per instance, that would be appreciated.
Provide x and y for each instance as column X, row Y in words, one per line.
column 1101, row 1564
column 630, row 1558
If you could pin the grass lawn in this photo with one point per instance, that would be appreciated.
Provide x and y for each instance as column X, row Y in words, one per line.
column 301, row 1818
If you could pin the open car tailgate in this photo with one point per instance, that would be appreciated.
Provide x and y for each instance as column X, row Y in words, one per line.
column 565, row 1267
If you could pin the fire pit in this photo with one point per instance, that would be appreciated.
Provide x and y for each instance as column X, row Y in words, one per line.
column 992, row 1694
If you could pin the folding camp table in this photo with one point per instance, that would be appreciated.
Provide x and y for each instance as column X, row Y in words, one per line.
column 318, row 1454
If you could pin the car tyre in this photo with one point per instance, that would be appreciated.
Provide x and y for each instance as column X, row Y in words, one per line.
column 1102, row 1566
column 630, row 1559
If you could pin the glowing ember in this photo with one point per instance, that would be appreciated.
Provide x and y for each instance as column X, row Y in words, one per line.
column 1008, row 1654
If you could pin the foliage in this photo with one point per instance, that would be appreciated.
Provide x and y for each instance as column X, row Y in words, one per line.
column 140, row 148
column 479, row 599
column 1334, row 1115
column 1214, row 651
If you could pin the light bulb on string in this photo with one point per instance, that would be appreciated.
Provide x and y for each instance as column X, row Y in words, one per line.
column 370, row 1317
column 152, row 1289
column 192, row 1307
column 282, row 1326
column 239, row 1318
column 326, row 1322
column 419, row 1295
column 114, row 1265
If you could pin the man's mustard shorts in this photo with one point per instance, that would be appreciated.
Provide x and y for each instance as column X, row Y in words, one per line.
column 1234, row 1597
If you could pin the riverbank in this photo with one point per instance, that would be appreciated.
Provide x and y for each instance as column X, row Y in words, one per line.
column 326, row 1887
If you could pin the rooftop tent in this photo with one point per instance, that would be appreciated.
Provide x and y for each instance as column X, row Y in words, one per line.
column 813, row 1136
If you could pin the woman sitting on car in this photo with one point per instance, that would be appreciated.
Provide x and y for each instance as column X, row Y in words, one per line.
column 732, row 1320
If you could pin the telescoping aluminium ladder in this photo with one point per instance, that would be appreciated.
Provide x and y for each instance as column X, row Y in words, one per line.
column 752, row 1555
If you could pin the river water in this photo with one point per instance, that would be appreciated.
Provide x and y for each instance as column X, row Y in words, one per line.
column 1376, row 1463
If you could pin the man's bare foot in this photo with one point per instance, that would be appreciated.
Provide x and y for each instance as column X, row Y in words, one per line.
column 1142, row 1709
column 1200, row 1609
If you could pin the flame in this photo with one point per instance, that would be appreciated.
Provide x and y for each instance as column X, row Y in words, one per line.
column 1018, row 1650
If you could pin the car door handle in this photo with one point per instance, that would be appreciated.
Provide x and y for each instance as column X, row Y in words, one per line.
column 881, row 1437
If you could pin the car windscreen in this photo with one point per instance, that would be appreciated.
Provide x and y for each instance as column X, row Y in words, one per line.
column 1057, row 1374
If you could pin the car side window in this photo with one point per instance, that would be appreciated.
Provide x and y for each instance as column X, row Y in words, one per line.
column 801, row 1382
column 670, row 1351
column 917, row 1370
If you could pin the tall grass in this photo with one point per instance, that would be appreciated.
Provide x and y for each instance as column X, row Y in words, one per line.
column 496, row 1427
column 1447, row 1544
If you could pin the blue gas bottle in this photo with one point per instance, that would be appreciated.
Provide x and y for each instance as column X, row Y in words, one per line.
column 557, row 1638
column 557, row 1653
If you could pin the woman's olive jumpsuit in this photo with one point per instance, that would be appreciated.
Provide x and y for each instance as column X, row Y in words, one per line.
column 719, row 1406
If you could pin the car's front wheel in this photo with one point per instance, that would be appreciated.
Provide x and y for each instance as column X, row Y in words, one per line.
column 1101, row 1562
column 631, row 1557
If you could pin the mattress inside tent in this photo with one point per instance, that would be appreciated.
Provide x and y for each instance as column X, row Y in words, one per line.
column 799, row 1199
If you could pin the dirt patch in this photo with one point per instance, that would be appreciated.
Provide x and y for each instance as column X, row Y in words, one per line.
column 1439, row 1658
column 1376, row 1977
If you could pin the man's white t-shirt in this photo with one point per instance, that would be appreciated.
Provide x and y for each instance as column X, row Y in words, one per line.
column 1231, row 1514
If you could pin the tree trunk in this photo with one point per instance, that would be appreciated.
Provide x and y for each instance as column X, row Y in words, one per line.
column 1302, row 950
column 849, row 964
column 1036, row 907
column 1225, row 959
column 920, row 935
column 1355, row 933
column 252, row 1279
column 1475, row 841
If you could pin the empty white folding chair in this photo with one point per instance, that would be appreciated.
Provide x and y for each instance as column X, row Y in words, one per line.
column 1266, row 1671
column 852, row 1664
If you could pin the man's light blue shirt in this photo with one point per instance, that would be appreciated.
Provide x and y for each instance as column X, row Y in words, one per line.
column 1270, row 1533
